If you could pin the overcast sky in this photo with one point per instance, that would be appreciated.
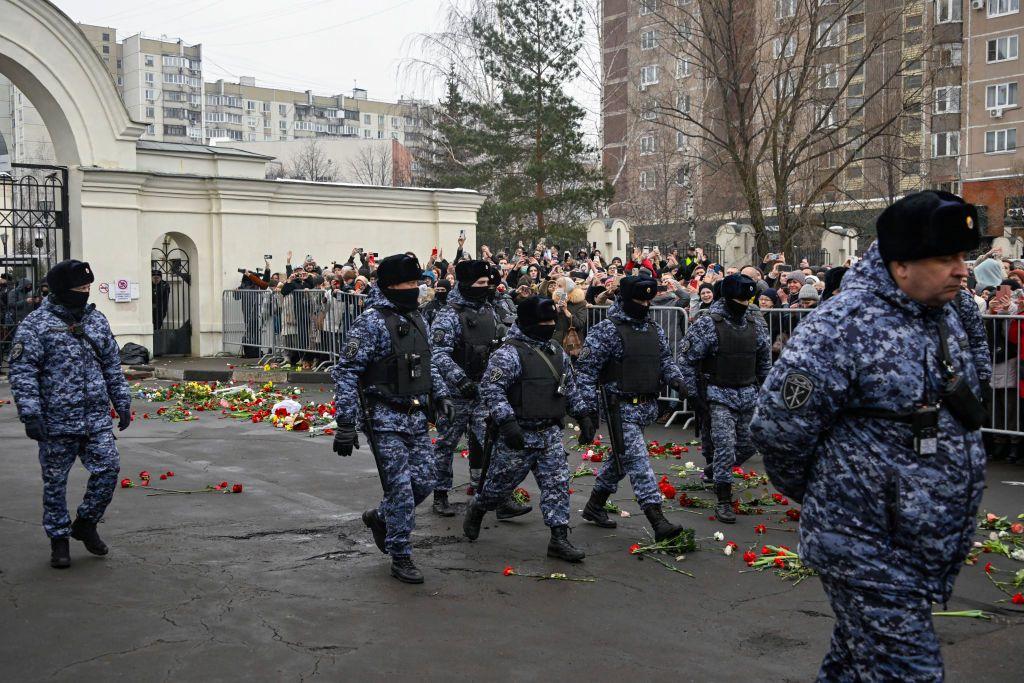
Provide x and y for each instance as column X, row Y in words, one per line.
column 322, row 45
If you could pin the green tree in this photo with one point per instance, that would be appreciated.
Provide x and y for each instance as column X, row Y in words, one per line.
column 453, row 155
column 545, row 179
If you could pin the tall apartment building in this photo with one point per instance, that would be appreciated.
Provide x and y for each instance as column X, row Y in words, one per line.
column 161, row 83
column 958, row 69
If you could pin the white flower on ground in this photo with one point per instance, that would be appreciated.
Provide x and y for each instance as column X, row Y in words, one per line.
column 727, row 550
column 719, row 536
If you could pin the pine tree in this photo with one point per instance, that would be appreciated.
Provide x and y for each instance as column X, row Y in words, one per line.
column 532, row 139
column 453, row 156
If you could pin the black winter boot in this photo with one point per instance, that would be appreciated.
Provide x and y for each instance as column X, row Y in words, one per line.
column 509, row 508
column 723, row 511
column 595, row 512
column 85, row 531
column 663, row 529
column 60, row 553
column 560, row 547
column 377, row 526
column 404, row 570
column 474, row 518
column 441, row 505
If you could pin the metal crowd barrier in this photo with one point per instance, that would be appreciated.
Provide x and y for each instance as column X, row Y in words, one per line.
column 307, row 325
column 1005, row 334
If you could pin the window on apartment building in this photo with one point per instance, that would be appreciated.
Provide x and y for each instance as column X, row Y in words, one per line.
column 648, row 75
column 647, row 180
column 106, row 49
column 250, row 105
column 912, row 22
column 120, row 64
column 785, row 85
column 828, row 33
column 683, row 103
column 855, row 172
column 1003, row 49
column 682, row 176
column 395, row 122
column 947, row 100
column 380, row 120
column 948, row 10
column 913, row 81
column 150, row 60
column 648, row 40
column 683, row 67
column 785, row 9
column 681, row 141
column 151, row 129
column 854, row 25
column 150, row 77
column 106, row 37
column 826, row 115
column 950, row 54
column 120, row 80
column 266, row 107
column 367, row 133
column 784, row 47
column 997, row 8
column 911, row 124
column 1001, row 95
column 946, row 144
column 175, row 130
column 829, row 76
column 648, row 113
column 999, row 141
column 150, row 112
column 380, row 135
column 150, row 95
column 367, row 119
column 648, row 144
column 283, row 125
column 953, row 187
column 683, row 30
column 282, row 110
column 648, row 7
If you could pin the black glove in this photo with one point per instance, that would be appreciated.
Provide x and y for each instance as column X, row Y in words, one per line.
column 512, row 434
column 467, row 387
column 124, row 420
column 588, row 429
column 678, row 386
column 35, row 429
column 345, row 439
column 445, row 407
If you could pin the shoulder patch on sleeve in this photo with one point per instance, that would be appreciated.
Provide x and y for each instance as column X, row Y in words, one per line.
column 438, row 336
column 796, row 390
column 684, row 345
column 584, row 353
column 351, row 349
column 495, row 374
column 16, row 351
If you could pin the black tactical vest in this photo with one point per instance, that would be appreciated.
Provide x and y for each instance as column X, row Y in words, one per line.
column 735, row 365
column 479, row 337
column 639, row 371
column 539, row 393
column 406, row 372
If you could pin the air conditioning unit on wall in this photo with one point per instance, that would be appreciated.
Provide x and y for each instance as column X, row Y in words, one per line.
column 978, row 4
column 995, row 113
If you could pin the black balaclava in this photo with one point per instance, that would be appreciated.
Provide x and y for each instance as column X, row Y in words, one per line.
column 737, row 288
column 531, row 312
column 64, row 277
column 637, row 287
column 397, row 269
column 441, row 291
column 468, row 272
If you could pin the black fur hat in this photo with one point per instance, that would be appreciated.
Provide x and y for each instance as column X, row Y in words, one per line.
column 69, row 274
column 397, row 269
column 471, row 271
column 738, row 287
column 927, row 224
column 535, row 309
column 638, row 287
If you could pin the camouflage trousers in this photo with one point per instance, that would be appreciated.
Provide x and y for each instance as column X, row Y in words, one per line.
column 470, row 418
column 544, row 455
column 730, row 438
column 408, row 464
column 880, row 636
column 636, row 463
column 99, row 456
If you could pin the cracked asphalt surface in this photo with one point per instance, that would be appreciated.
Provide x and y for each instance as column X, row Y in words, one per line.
column 283, row 582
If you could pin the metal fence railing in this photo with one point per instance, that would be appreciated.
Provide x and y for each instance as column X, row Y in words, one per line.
column 312, row 326
column 308, row 325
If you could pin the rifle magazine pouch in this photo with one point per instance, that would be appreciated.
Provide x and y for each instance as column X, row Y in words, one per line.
column 962, row 404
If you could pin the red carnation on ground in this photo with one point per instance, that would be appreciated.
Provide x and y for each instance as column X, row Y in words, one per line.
column 780, row 563
column 749, row 557
column 281, row 412
column 1017, row 528
column 633, row 548
column 237, row 488
column 163, row 476
column 508, row 571
column 793, row 514
column 143, row 474
column 760, row 529
column 126, row 483
column 1017, row 599
column 765, row 550
column 170, row 474
column 732, row 544
column 223, row 484
column 988, row 567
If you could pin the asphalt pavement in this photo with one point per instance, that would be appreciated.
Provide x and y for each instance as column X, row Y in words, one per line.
column 283, row 582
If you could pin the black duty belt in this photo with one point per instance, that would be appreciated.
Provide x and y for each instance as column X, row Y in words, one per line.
column 883, row 414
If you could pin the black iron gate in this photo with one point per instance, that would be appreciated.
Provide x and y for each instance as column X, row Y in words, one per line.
column 33, row 237
column 172, row 301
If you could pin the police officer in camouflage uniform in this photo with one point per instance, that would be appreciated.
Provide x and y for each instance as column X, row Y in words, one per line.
column 525, row 387
column 728, row 352
column 871, row 418
column 627, row 353
column 463, row 335
column 387, row 356
column 65, row 374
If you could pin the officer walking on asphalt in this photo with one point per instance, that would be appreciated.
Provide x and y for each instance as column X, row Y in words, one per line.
column 463, row 335
column 65, row 374
column 386, row 364
column 871, row 419
column 525, row 386
column 728, row 352
column 628, row 356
